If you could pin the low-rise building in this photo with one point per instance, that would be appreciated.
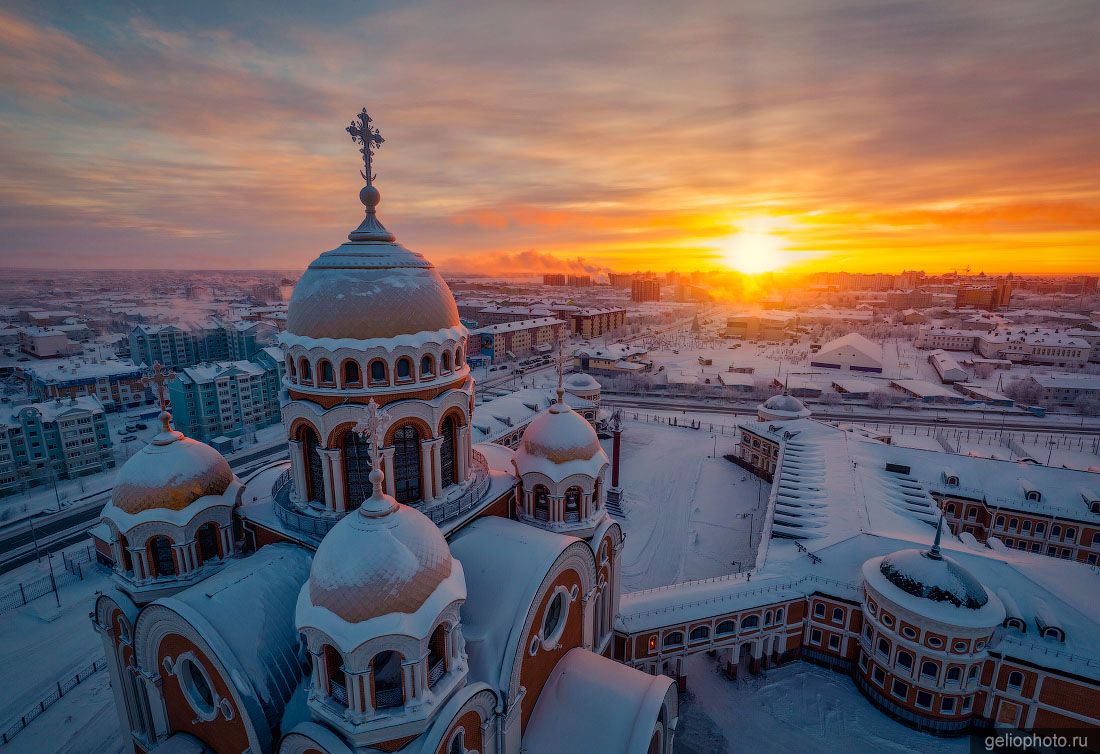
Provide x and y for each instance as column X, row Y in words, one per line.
column 56, row 439
column 1035, row 346
column 46, row 342
column 852, row 352
column 615, row 359
column 1066, row 389
column 117, row 384
column 946, row 338
column 946, row 366
column 772, row 325
column 515, row 340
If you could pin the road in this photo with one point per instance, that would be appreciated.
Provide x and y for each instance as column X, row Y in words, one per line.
column 958, row 419
column 58, row 530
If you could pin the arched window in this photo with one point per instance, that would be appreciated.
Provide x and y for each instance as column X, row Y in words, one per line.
column 768, row 618
column 725, row 627
column 458, row 743
column 337, row 681
column 404, row 368
column 406, row 463
column 674, row 638
column 291, row 372
column 446, row 358
column 573, row 504
column 904, row 660
column 751, row 621
column 596, row 493
column 305, row 370
column 160, row 549
column 447, row 451
column 351, row 373
column 378, row 372
column 386, row 667
column 357, row 468
column 929, row 670
column 883, row 647
column 700, row 632
column 427, row 366
column 311, row 449
column 1015, row 680
column 779, row 615
column 324, row 369
column 954, row 675
column 437, row 655
column 542, row 502
column 207, row 540
column 458, row 358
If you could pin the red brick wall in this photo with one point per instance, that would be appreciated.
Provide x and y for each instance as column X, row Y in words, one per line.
column 535, row 670
column 470, row 722
column 221, row 735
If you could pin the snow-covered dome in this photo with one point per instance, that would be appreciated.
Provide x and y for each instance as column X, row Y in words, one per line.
column 559, row 439
column 370, row 287
column 581, row 381
column 782, row 407
column 921, row 574
column 170, row 473
column 385, row 558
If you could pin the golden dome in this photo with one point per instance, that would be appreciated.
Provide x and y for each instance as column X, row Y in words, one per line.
column 365, row 290
column 170, row 473
column 384, row 558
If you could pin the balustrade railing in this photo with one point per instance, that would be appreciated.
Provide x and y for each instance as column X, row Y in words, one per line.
column 436, row 672
column 387, row 698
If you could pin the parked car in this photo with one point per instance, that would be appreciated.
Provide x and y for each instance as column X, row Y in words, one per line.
column 141, row 425
column 129, row 438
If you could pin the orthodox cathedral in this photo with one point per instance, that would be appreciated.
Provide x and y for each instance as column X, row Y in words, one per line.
column 399, row 587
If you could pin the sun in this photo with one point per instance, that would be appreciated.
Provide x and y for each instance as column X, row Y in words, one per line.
column 755, row 248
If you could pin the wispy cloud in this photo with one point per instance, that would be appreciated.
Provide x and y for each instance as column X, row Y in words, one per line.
column 622, row 135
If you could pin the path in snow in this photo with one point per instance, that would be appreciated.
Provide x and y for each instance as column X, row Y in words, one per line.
column 84, row 720
column 683, row 508
column 798, row 707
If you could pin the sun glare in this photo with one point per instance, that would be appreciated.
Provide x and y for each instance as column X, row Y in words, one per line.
column 756, row 248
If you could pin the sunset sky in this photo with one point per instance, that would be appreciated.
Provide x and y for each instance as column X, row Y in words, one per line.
column 858, row 136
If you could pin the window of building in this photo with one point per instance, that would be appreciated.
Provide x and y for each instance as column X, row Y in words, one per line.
column 725, row 627
column 862, row 661
column 404, row 368
column 448, row 469
column 161, row 551
column 947, row 705
column 751, row 621
column 674, row 638
column 311, row 449
column 351, row 373
column 924, row 700
column 879, row 675
column 959, row 646
column 815, row 635
column 196, row 687
column 386, row 668
column 968, row 702
column 834, row 643
column 883, row 647
column 378, row 372
column 699, row 633
column 867, row 632
column 427, row 366
column 1015, row 681
column 819, row 610
column 900, row 689
column 542, row 502
column 904, row 660
column 357, row 468
column 207, row 540
column 328, row 377
column 838, row 615
column 573, row 504
column 406, row 464
column 908, row 632
column 929, row 670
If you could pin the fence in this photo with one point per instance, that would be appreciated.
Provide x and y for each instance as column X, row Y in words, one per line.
column 26, row 591
column 61, row 688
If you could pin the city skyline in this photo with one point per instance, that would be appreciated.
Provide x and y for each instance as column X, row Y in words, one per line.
column 790, row 137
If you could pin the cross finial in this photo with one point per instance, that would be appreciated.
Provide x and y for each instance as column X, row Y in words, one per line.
column 367, row 136
column 160, row 377
column 373, row 428
column 561, row 370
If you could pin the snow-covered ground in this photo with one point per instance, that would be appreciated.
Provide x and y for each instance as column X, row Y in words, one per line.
column 797, row 707
column 83, row 721
column 41, row 645
column 686, row 510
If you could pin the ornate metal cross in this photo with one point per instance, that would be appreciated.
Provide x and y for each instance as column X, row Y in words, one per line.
column 160, row 377
column 373, row 428
column 368, row 137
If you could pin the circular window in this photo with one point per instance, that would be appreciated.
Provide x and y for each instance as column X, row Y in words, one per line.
column 980, row 646
column 960, row 646
column 873, row 608
column 935, row 642
column 554, row 614
column 887, row 620
column 196, row 687
column 908, row 633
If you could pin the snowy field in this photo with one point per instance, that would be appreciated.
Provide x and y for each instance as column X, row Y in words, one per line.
column 686, row 511
column 41, row 645
column 797, row 707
